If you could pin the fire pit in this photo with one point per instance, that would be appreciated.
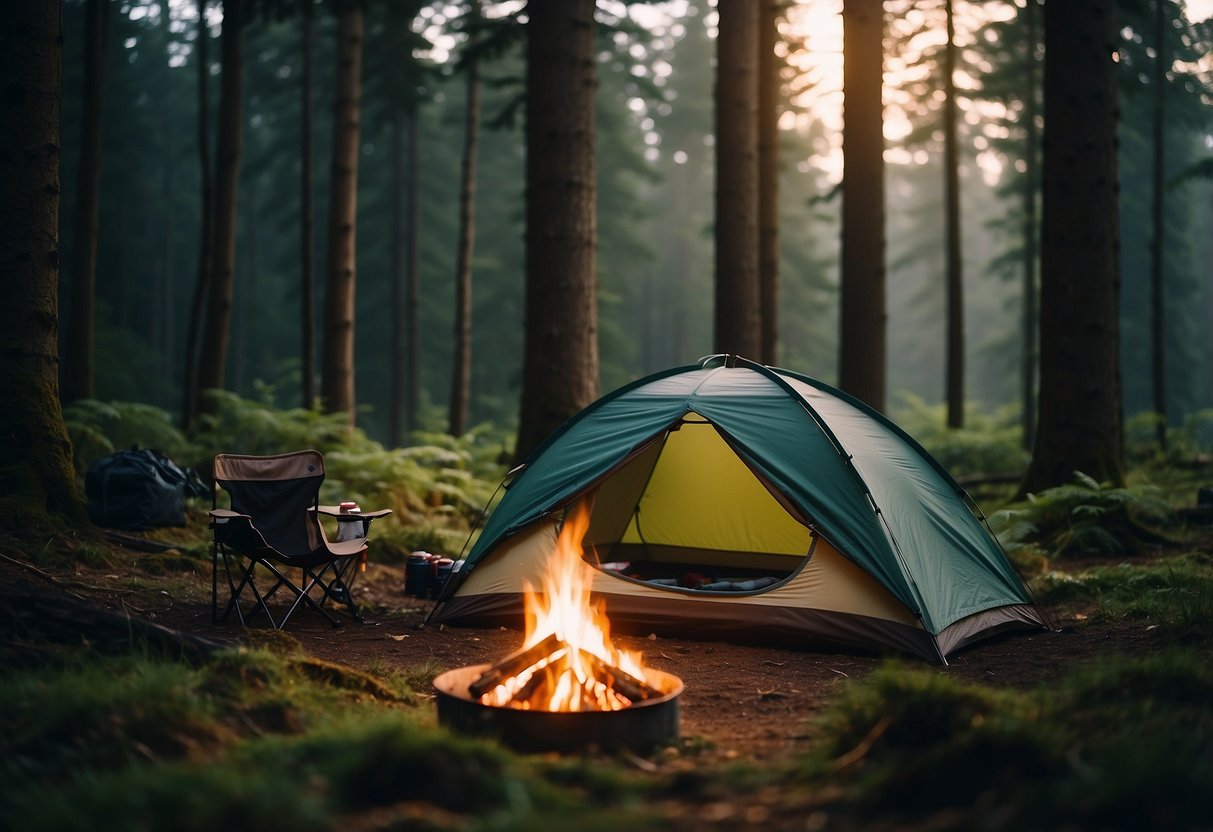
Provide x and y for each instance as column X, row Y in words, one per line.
column 568, row 687
column 644, row 724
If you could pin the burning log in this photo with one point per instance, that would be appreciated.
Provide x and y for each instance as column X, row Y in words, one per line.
column 547, row 660
column 514, row 664
column 636, row 690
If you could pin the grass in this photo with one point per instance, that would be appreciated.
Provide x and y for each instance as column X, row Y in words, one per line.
column 1121, row 743
column 268, row 738
column 1173, row 594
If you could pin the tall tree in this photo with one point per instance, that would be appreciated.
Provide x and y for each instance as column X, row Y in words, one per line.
column 78, row 361
column 1031, row 186
column 307, row 211
column 461, row 367
column 1080, row 407
column 35, row 453
column 406, row 272
column 228, row 148
column 768, row 179
column 1158, row 294
column 862, row 335
column 206, row 230
column 955, row 372
column 337, row 383
column 560, row 357
column 738, row 324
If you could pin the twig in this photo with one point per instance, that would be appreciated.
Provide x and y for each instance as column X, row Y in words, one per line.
column 839, row 672
column 777, row 664
column 51, row 579
column 865, row 745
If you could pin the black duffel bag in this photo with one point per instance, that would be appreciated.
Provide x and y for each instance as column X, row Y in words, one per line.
column 139, row 489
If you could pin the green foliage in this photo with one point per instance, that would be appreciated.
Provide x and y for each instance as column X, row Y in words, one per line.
column 987, row 444
column 1175, row 595
column 1085, row 517
column 1091, row 749
column 1191, row 440
column 98, row 429
column 436, row 488
column 254, row 740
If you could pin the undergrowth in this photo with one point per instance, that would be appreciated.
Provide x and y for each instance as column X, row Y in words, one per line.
column 436, row 487
column 1121, row 743
column 1086, row 517
column 253, row 739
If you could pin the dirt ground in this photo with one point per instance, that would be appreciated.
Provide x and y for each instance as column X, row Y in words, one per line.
column 740, row 701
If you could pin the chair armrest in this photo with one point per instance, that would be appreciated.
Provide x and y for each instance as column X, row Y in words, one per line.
column 335, row 511
column 227, row 514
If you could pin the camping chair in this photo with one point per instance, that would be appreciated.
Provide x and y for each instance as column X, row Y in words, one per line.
column 274, row 525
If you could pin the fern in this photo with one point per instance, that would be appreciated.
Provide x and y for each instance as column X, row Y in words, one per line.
column 1085, row 517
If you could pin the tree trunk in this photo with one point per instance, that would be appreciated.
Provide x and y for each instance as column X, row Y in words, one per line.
column 412, row 275
column 189, row 381
column 862, row 336
column 406, row 288
column 165, row 313
column 461, row 375
column 560, row 362
column 1158, row 294
column 78, row 362
column 35, row 453
column 768, row 180
column 397, row 241
column 307, row 217
column 1080, row 386
column 1030, row 231
column 955, row 373
column 738, row 321
column 227, row 150
column 337, row 385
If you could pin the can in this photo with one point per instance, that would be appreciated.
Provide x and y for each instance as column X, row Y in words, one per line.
column 417, row 574
column 442, row 573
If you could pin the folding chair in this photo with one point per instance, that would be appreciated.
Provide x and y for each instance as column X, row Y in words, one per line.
column 274, row 525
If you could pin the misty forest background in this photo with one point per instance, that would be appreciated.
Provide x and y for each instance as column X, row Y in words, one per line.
column 655, row 186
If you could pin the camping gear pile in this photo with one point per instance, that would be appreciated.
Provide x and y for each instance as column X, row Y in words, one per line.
column 139, row 489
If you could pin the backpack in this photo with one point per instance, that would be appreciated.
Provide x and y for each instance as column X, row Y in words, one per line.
column 139, row 489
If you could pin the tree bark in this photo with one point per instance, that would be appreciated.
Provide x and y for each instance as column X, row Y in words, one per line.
column 202, row 283
column 398, row 242
column 955, row 372
column 768, row 180
column 78, row 362
column 307, row 216
column 738, row 316
column 228, row 147
column 412, row 275
column 1030, row 231
column 36, row 475
column 862, row 336
column 337, row 385
column 560, row 362
column 1080, row 385
column 406, row 275
column 461, row 374
column 1158, row 292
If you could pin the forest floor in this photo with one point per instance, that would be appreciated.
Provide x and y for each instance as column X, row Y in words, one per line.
column 741, row 701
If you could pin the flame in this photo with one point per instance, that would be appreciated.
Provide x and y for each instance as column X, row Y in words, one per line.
column 564, row 608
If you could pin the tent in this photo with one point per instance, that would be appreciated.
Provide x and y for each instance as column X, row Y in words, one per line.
column 733, row 500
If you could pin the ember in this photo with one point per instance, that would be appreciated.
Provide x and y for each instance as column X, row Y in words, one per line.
column 567, row 661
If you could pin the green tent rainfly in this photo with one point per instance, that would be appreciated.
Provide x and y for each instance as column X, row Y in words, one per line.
column 729, row 499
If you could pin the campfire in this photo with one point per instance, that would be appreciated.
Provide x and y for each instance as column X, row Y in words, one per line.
column 567, row 661
column 568, row 678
